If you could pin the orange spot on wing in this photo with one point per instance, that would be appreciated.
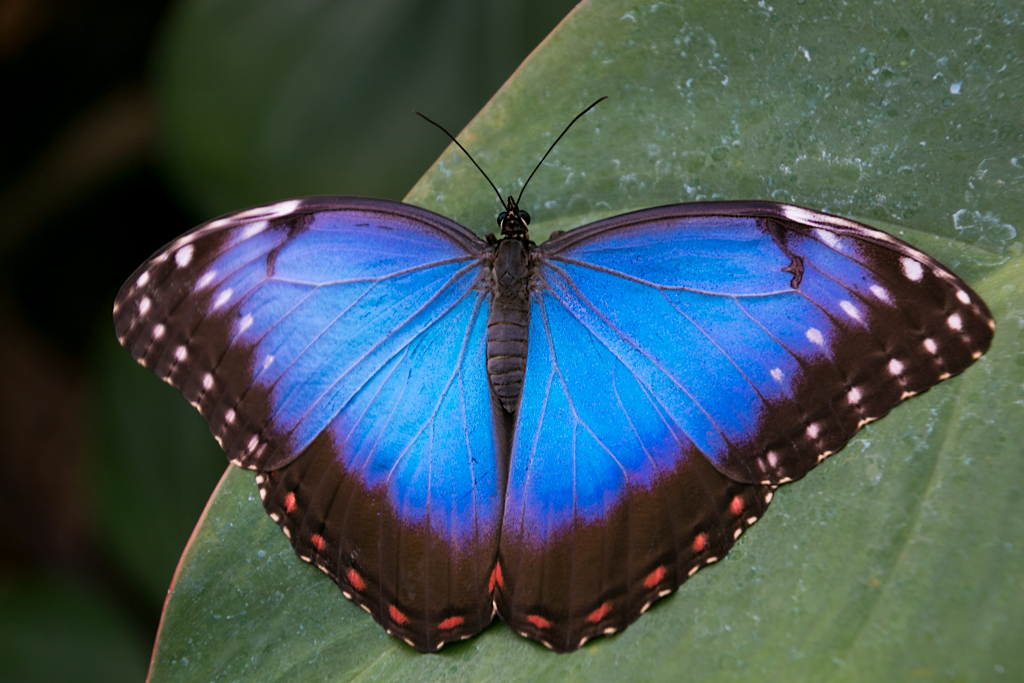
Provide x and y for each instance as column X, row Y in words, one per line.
column 736, row 506
column 654, row 578
column 318, row 541
column 496, row 579
column 289, row 502
column 538, row 621
column 397, row 615
column 600, row 613
column 450, row 623
column 699, row 543
column 355, row 580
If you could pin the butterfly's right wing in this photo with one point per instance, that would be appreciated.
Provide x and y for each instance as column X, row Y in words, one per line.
column 336, row 346
column 683, row 361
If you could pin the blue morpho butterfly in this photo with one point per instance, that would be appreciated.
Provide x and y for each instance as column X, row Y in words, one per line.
column 561, row 433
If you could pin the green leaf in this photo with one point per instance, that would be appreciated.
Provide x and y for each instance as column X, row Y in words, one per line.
column 898, row 558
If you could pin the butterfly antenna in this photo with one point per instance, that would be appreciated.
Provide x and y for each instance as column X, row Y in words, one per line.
column 555, row 143
column 464, row 150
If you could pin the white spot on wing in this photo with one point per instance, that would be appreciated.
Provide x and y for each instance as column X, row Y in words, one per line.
column 144, row 304
column 812, row 430
column 814, row 336
column 143, row 279
column 963, row 296
column 930, row 346
column 773, row 458
column 808, row 217
column 895, row 367
column 853, row 396
column 267, row 361
column 229, row 416
column 265, row 212
column 912, row 269
column 158, row 331
column 223, row 297
column 799, row 215
column 954, row 322
column 881, row 293
column 184, row 255
column 253, row 443
column 252, row 230
column 245, row 323
column 829, row 238
column 207, row 381
column 206, row 279
column 777, row 374
column 850, row 309
column 180, row 354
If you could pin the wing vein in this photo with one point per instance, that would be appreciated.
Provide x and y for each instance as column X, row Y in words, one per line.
column 654, row 362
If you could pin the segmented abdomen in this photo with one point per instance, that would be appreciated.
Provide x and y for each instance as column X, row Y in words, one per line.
column 508, row 327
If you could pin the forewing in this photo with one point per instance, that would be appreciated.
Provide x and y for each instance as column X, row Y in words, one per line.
column 770, row 332
column 336, row 345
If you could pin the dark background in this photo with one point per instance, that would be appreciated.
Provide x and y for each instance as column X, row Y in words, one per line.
column 91, row 524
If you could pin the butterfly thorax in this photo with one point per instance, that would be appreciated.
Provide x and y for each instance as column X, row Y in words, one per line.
column 508, row 323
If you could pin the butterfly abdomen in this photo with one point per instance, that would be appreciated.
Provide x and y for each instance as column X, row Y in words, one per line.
column 508, row 323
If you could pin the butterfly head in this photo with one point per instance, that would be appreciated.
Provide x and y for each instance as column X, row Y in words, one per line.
column 513, row 221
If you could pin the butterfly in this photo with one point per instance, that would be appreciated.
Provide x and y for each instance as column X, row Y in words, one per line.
column 453, row 427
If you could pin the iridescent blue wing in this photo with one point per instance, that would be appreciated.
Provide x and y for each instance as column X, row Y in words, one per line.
column 683, row 362
column 336, row 346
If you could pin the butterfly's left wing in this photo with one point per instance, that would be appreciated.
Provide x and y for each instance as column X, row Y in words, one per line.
column 683, row 362
column 336, row 346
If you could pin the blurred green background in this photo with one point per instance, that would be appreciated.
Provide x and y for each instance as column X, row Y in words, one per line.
column 129, row 122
